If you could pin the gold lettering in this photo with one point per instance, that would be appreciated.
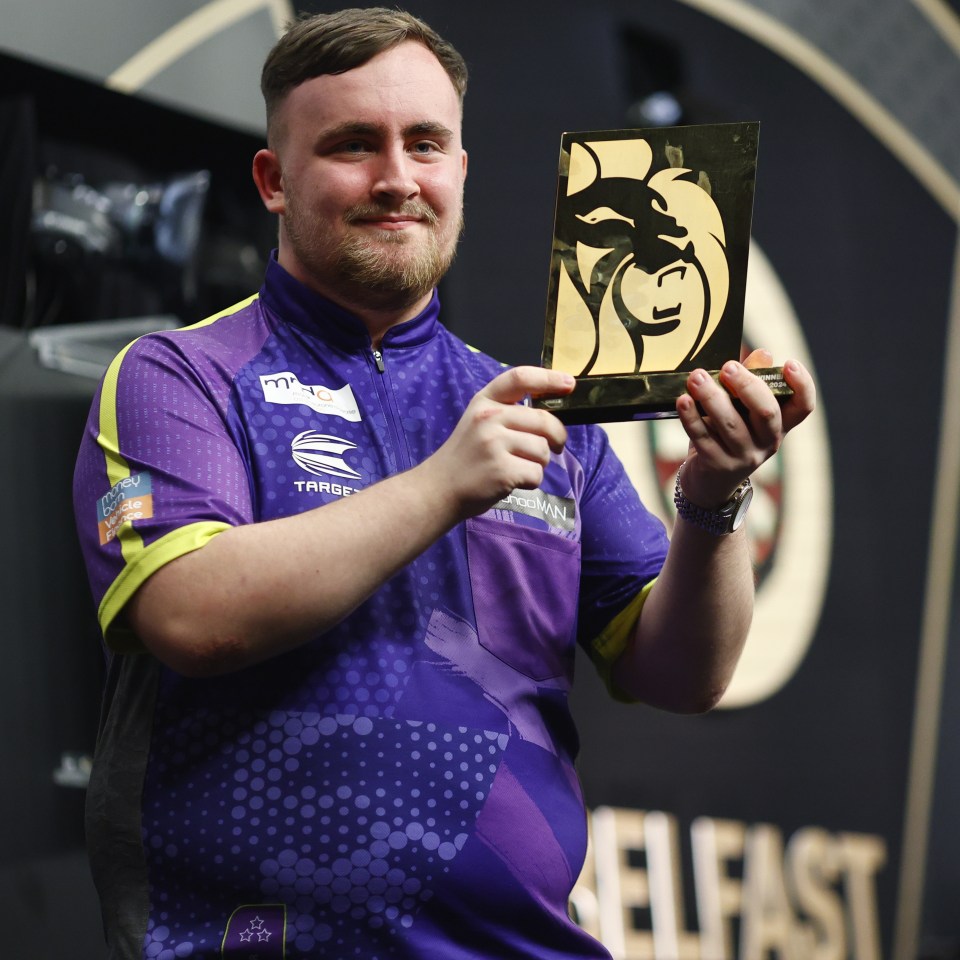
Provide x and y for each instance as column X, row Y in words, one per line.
column 817, row 901
column 671, row 941
column 813, row 866
column 718, row 895
column 767, row 921
column 621, row 887
column 863, row 855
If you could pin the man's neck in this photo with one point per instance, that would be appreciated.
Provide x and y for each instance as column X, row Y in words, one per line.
column 377, row 319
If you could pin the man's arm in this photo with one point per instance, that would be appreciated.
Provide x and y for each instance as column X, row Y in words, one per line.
column 694, row 623
column 258, row 590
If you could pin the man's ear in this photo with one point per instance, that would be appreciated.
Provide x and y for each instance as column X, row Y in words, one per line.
column 268, row 177
column 464, row 162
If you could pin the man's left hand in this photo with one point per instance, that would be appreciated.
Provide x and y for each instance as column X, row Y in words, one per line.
column 726, row 443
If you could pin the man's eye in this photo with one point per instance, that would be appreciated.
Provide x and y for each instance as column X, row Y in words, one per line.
column 353, row 146
column 599, row 214
column 424, row 147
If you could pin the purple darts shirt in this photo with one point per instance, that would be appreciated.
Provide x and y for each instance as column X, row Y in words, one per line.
column 402, row 785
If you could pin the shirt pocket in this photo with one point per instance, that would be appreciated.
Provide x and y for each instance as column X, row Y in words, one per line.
column 525, row 586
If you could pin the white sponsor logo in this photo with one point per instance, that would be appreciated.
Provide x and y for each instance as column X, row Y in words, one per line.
column 286, row 388
column 324, row 486
column 319, row 453
column 558, row 511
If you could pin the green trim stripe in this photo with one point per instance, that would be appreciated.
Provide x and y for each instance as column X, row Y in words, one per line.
column 108, row 437
column 146, row 562
column 614, row 638
column 141, row 562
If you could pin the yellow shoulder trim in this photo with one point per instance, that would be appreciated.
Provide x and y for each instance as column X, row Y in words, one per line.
column 236, row 308
column 139, row 561
column 474, row 349
column 108, row 436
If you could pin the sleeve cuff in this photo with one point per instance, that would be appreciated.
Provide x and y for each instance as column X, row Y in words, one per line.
column 117, row 635
column 606, row 649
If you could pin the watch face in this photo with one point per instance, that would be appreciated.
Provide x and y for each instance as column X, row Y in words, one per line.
column 740, row 512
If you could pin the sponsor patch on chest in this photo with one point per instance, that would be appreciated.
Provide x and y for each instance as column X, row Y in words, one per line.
column 286, row 388
column 557, row 511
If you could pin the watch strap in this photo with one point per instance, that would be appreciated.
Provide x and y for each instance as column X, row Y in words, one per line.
column 718, row 521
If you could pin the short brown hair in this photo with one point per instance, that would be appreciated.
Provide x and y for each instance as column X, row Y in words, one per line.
column 324, row 43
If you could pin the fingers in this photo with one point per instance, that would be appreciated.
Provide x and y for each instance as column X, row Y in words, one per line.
column 760, row 410
column 529, row 447
column 713, row 423
column 516, row 384
column 523, row 421
column 737, row 424
column 798, row 407
column 500, row 444
column 758, row 358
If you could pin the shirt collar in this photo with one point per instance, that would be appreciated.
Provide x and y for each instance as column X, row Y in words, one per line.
column 294, row 302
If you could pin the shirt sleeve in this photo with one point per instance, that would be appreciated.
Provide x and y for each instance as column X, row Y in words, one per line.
column 623, row 549
column 160, row 470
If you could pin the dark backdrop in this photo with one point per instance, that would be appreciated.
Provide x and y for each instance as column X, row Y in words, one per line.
column 866, row 257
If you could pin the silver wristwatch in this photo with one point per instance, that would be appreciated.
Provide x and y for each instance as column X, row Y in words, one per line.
column 722, row 520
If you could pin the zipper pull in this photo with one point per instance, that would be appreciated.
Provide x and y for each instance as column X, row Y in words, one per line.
column 378, row 360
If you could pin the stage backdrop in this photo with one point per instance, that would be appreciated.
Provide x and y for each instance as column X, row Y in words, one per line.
column 796, row 821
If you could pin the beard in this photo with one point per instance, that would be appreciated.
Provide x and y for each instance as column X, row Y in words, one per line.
column 375, row 269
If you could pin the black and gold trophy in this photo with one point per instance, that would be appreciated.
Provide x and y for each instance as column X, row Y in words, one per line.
column 649, row 266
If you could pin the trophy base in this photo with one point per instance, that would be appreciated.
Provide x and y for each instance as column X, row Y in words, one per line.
column 636, row 396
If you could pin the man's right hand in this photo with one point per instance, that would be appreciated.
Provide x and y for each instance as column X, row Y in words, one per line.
column 262, row 588
column 500, row 444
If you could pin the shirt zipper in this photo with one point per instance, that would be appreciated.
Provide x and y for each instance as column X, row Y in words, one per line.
column 392, row 414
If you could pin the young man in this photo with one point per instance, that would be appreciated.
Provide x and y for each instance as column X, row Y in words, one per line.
column 341, row 568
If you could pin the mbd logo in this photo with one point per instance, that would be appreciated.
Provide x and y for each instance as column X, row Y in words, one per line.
column 320, row 453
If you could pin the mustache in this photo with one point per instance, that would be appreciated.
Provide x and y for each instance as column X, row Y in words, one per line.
column 410, row 208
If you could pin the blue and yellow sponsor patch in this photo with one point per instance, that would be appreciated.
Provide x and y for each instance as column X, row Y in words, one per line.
column 129, row 499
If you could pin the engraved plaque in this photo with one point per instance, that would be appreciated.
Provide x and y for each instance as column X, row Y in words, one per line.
column 649, row 265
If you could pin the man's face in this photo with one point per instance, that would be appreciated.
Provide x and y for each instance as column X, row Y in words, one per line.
column 371, row 173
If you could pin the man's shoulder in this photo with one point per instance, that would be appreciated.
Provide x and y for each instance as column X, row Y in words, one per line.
column 470, row 357
column 222, row 327
column 224, row 339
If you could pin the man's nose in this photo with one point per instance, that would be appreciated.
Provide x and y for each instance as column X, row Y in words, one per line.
column 395, row 176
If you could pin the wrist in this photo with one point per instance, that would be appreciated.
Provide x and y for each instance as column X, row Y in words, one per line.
column 718, row 518
column 439, row 481
column 704, row 487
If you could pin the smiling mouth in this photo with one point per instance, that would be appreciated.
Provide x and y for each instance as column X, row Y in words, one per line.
column 380, row 218
column 388, row 223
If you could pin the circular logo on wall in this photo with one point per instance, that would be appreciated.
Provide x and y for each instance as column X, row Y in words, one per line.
column 790, row 524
